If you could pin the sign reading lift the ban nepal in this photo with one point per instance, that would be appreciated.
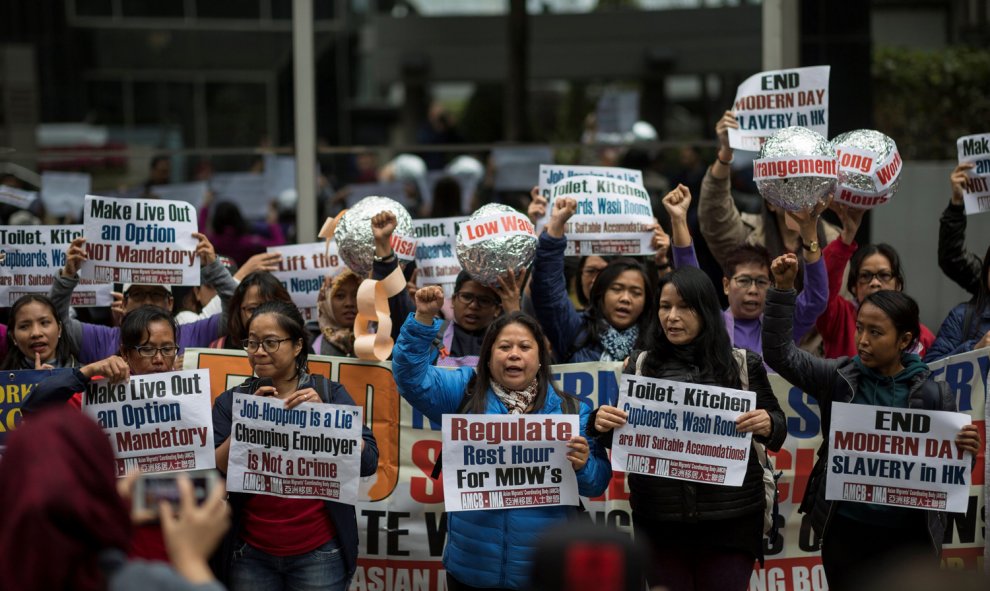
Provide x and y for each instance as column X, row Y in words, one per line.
column 682, row 431
column 140, row 241
column 508, row 461
column 975, row 149
column 302, row 269
column 769, row 101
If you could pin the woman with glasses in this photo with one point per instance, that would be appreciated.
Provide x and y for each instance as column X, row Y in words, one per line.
column 475, row 307
column 872, row 268
column 287, row 543
column 255, row 289
column 622, row 301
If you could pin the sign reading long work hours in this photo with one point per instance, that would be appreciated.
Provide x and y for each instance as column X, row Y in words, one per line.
column 896, row 456
column 32, row 257
column 302, row 269
column 140, row 241
column 975, row 149
column 436, row 252
column 507, row 461
column 769, row 101
column 159, row 422
column 312, row 451
column 682, row 431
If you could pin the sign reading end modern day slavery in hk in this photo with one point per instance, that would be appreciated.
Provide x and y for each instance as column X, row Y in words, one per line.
column 159, row 422
column 975, row 149
column 508, row 461
column 312, row 451
column 682, row 431
column 899, row 457
column 140, row 241
column 773, row 100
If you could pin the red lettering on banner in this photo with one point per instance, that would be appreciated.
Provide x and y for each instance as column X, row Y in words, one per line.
column 420, row 487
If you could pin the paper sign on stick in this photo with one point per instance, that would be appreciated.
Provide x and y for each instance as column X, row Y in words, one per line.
column 436, row 252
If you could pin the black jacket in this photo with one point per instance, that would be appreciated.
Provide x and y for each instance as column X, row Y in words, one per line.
column 956, row 262
column 834, row 380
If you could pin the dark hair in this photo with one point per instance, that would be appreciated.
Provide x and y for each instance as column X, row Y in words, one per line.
column 596, row 323
column 477, row 388
column 578, row 292
column 14, row 357
column 463, row 277
column 746, row 254
column 271, row 290
column 869, row 250
column 446, row 198
column 226, row 214
column 900, row 308
column 712, row 348
column 290, row 320
column 134, row 326
column 979, row 302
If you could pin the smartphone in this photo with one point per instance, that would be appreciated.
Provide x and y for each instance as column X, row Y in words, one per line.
column 151, row 489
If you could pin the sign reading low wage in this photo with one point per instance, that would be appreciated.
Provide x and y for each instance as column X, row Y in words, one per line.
column 159, row 422
column 436, row 251
column 773, row 100
column 140, row 241
column 614, row 215
column 682, row 431
column 896, row 456
column 312, row 451
column 975, row 149
column 507, row 461
column 302, row 269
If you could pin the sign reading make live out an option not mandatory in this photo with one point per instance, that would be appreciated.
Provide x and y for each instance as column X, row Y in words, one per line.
column 682, row 431
column 160, row 422
column 508, row 461
column 312, row 451
column 140, row 241
column 896, row 456
column 769, row 101
column 975, row 150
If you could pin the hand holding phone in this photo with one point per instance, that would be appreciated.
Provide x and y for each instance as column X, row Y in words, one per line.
column 151, row 489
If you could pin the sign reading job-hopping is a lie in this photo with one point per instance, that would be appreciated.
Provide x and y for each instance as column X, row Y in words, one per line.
column 140, row 241
column 312, row 451
column 508, row 461
column 975, row 150
column 899, row 457
column 773, row 100
column 682, row 431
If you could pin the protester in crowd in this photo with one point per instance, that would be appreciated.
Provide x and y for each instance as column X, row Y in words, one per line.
column 622, row 305
column 703, row 536
column 68, row 527
column 958, row 264
column 747, row 275
column 493, row 549
column 231, row 233
column 95, row 342
column 255, row 289
column 287, row 543
column 883, row 372
column 199, row 302
column 34, row 336
column 967, row 327
column 446, row 198
column 872, row 268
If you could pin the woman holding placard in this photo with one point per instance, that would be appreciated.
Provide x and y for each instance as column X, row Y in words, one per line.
column 285, row 543
column 493, row 549
column 703, row 536
column 856, row 536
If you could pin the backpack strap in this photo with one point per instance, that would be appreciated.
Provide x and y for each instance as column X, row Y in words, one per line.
column 639, row 362
column 437, row 342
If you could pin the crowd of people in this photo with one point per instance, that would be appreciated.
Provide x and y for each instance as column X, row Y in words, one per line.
column 802, row 299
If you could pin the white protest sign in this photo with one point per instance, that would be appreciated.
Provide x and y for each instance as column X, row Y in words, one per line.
column 140, row 241
column 159, row 422
column 193, row 193
column 508, row 461
column 33, row 255
column 63, row 192
column 312, row 451
column 436, row 251
column 773, row 100
column 17, row 197
column 551, row 174
column 897, row 456
column 858, row 161
column 302, row 269
column 975, row 149
column 247, row 189
column 495, row 225
column 682, row 431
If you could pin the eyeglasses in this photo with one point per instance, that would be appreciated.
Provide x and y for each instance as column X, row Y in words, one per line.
column 745, row 281
column 148, row 351
column 467, row 299
column 866, row 277
column 269, row 345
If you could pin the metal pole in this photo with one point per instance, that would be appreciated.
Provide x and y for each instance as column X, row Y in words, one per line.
column 515, row 104
column 303, row 73
column 781, row 31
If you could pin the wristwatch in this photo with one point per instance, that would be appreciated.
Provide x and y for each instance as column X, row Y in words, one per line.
column 811, row 247
column 391, row 257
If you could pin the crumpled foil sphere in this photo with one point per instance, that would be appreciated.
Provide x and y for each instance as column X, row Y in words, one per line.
column 865, row 183
column 795, row 193
column 486, row 258
column 355, row 240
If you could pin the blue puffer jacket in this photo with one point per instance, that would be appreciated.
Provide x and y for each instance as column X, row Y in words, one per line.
column 951, row 340
column 485, row 548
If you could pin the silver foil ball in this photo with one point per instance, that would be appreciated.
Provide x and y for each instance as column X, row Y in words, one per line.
column 355, row 241
column 857, row 188
column 796, row 193
column 486, row 260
